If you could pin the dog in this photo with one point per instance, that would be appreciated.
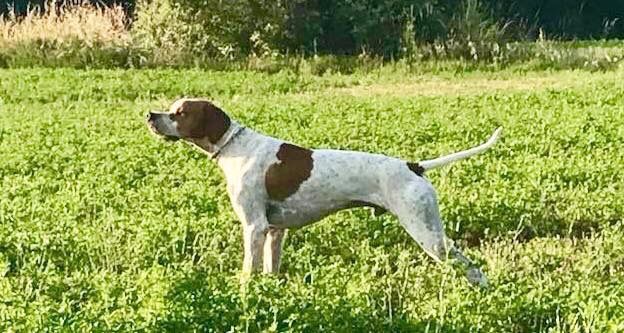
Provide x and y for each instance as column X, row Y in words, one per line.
column 274, row 185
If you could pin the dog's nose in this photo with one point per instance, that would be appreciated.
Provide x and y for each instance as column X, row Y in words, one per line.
column 149, row 116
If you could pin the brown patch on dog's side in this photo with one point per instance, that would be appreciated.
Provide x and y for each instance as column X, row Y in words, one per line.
column 200, row 119
column 283, row 178
column 416, row 168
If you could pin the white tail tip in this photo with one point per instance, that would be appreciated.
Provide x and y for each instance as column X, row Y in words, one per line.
column 494, row 137
column 444, row 160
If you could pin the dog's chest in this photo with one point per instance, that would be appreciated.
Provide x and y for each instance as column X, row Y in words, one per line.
column 244, row 166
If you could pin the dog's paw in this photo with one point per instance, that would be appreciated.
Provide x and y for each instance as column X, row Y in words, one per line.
column 476, row 277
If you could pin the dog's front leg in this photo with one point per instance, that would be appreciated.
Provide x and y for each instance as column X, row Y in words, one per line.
column 251, row 210
column 273, row 250
column 254, row 235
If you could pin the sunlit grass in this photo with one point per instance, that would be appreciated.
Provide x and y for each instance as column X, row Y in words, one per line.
column 104, row 227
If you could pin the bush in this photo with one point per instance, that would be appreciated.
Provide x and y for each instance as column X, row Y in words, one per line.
column 471, row 34
column 553, row 55
column 178, row 29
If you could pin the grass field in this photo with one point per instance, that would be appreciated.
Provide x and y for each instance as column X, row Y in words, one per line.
column 105, row 228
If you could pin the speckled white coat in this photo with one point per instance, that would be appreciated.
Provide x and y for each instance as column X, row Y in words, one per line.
column 337, row 179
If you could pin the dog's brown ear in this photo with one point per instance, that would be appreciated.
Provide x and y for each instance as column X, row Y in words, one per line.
column 217, row 122
column 202, row 119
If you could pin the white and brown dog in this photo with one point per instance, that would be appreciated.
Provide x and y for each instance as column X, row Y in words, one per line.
column 274, row 185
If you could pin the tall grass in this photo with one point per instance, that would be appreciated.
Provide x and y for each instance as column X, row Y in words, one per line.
column 72, row 33
column 164, row 33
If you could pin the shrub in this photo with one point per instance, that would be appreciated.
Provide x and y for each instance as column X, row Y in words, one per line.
column 552, row 55
column 160, row 27
column 178, row 29
column 471, row 34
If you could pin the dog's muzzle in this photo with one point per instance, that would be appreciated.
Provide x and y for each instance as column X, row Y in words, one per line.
column 160, row 123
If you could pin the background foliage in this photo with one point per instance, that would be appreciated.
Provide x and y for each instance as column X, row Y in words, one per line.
column 242, row 27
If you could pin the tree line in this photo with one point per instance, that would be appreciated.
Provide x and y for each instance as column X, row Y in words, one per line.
column 377, row 27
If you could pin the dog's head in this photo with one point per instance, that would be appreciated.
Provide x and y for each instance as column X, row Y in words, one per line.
column 190, row 119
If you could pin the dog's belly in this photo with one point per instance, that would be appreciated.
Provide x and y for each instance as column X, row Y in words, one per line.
column 285, row 216
column 292, row 216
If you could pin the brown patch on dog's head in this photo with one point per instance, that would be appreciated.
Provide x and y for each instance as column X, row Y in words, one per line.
column 198, row 119
column 416, row 168
column 283, row 178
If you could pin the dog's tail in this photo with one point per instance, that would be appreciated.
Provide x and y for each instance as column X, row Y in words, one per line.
column 444, row 160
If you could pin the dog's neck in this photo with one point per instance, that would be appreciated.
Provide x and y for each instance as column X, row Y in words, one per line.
column 215, row 150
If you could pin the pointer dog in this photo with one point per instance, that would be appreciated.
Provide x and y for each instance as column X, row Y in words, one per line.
column 274, row 185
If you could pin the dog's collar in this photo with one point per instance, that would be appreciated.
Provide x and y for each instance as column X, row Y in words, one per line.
column 236, row 133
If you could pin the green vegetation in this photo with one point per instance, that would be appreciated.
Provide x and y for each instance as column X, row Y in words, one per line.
column 269, row 36
column 239, row 27
column 103, row 227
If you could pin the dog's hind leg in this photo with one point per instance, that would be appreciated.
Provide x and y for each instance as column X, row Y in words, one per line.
column 473, row 272
column 419, row 215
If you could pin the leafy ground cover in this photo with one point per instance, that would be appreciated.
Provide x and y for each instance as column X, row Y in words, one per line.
column 105, row 228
